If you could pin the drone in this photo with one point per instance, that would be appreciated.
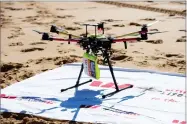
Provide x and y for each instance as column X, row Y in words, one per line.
column 95, row 45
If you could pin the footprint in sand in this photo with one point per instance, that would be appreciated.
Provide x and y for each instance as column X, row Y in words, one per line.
column 143, row 63
column 13, row 72
column 10, row 72
column 77, row 23
column 32, row 4
column 32, row 49
column 149, row 19
column 174, row 55
column 13, row 36
column 180, row 65
column 184, row 11
column 183, row 30
column 62, row 51
column 60, row 9
column 65, row 16
column 72, row 28
column 64, row 61
column 150, row 1
column 91, row 8
column 29, row 8
column 17, row 33
column 91, row 20
column 37, row 43
column 137, row 52
column 9, row 3
column 30, row 19
column 5, row 67
column 26, row 74
column 134, row 24
column 5, row 21
column 43, row 12
column 107, row 28
column 119, row 57
column 75, row 56
column 101, row 62
column 110, row 20
column 118, row 25
column 182, row 39
column 13, row 9
column 176, row 63
column 159, row 41
column 16, row 44
column 117, row 51
column 55, row 60
column 157, row 58
column 171, row 14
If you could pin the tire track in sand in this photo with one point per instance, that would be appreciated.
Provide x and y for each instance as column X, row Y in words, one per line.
column 148, row 8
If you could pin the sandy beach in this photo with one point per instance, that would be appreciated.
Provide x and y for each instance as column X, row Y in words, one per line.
column 24, row 54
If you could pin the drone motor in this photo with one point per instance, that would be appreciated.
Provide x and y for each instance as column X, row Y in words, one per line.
column 143, row 33
column 45, row 36
column 54, row 29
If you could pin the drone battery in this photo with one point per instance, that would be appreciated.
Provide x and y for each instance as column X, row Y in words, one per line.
column 90, row 65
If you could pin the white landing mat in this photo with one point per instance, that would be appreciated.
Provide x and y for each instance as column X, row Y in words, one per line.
column 156, row 98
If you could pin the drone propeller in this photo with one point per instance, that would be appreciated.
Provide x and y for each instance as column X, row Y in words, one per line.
column 129, row 34
column 150, row 24
column 45, row 36
column 144, row 26
column 137, row 32
column 58, row 30
column 39, row 32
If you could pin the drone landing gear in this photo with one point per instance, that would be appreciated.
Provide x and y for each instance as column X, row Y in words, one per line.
column 114, row 79
column 77, row 83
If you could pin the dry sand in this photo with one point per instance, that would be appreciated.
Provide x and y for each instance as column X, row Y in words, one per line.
column 23, row 54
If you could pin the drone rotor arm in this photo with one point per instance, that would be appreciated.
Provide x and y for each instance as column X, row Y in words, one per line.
column 150, row 24
column 57, row 30
column 39, row 32
column 61, row 39
column 138, row 32
column 129, row 34
column 65, row 33
column 126, row 39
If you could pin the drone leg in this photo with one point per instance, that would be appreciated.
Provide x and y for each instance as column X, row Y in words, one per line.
column 125, row 43
column 77, row 83
column 114, row 79
column 80, row 74
column 112, row 73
